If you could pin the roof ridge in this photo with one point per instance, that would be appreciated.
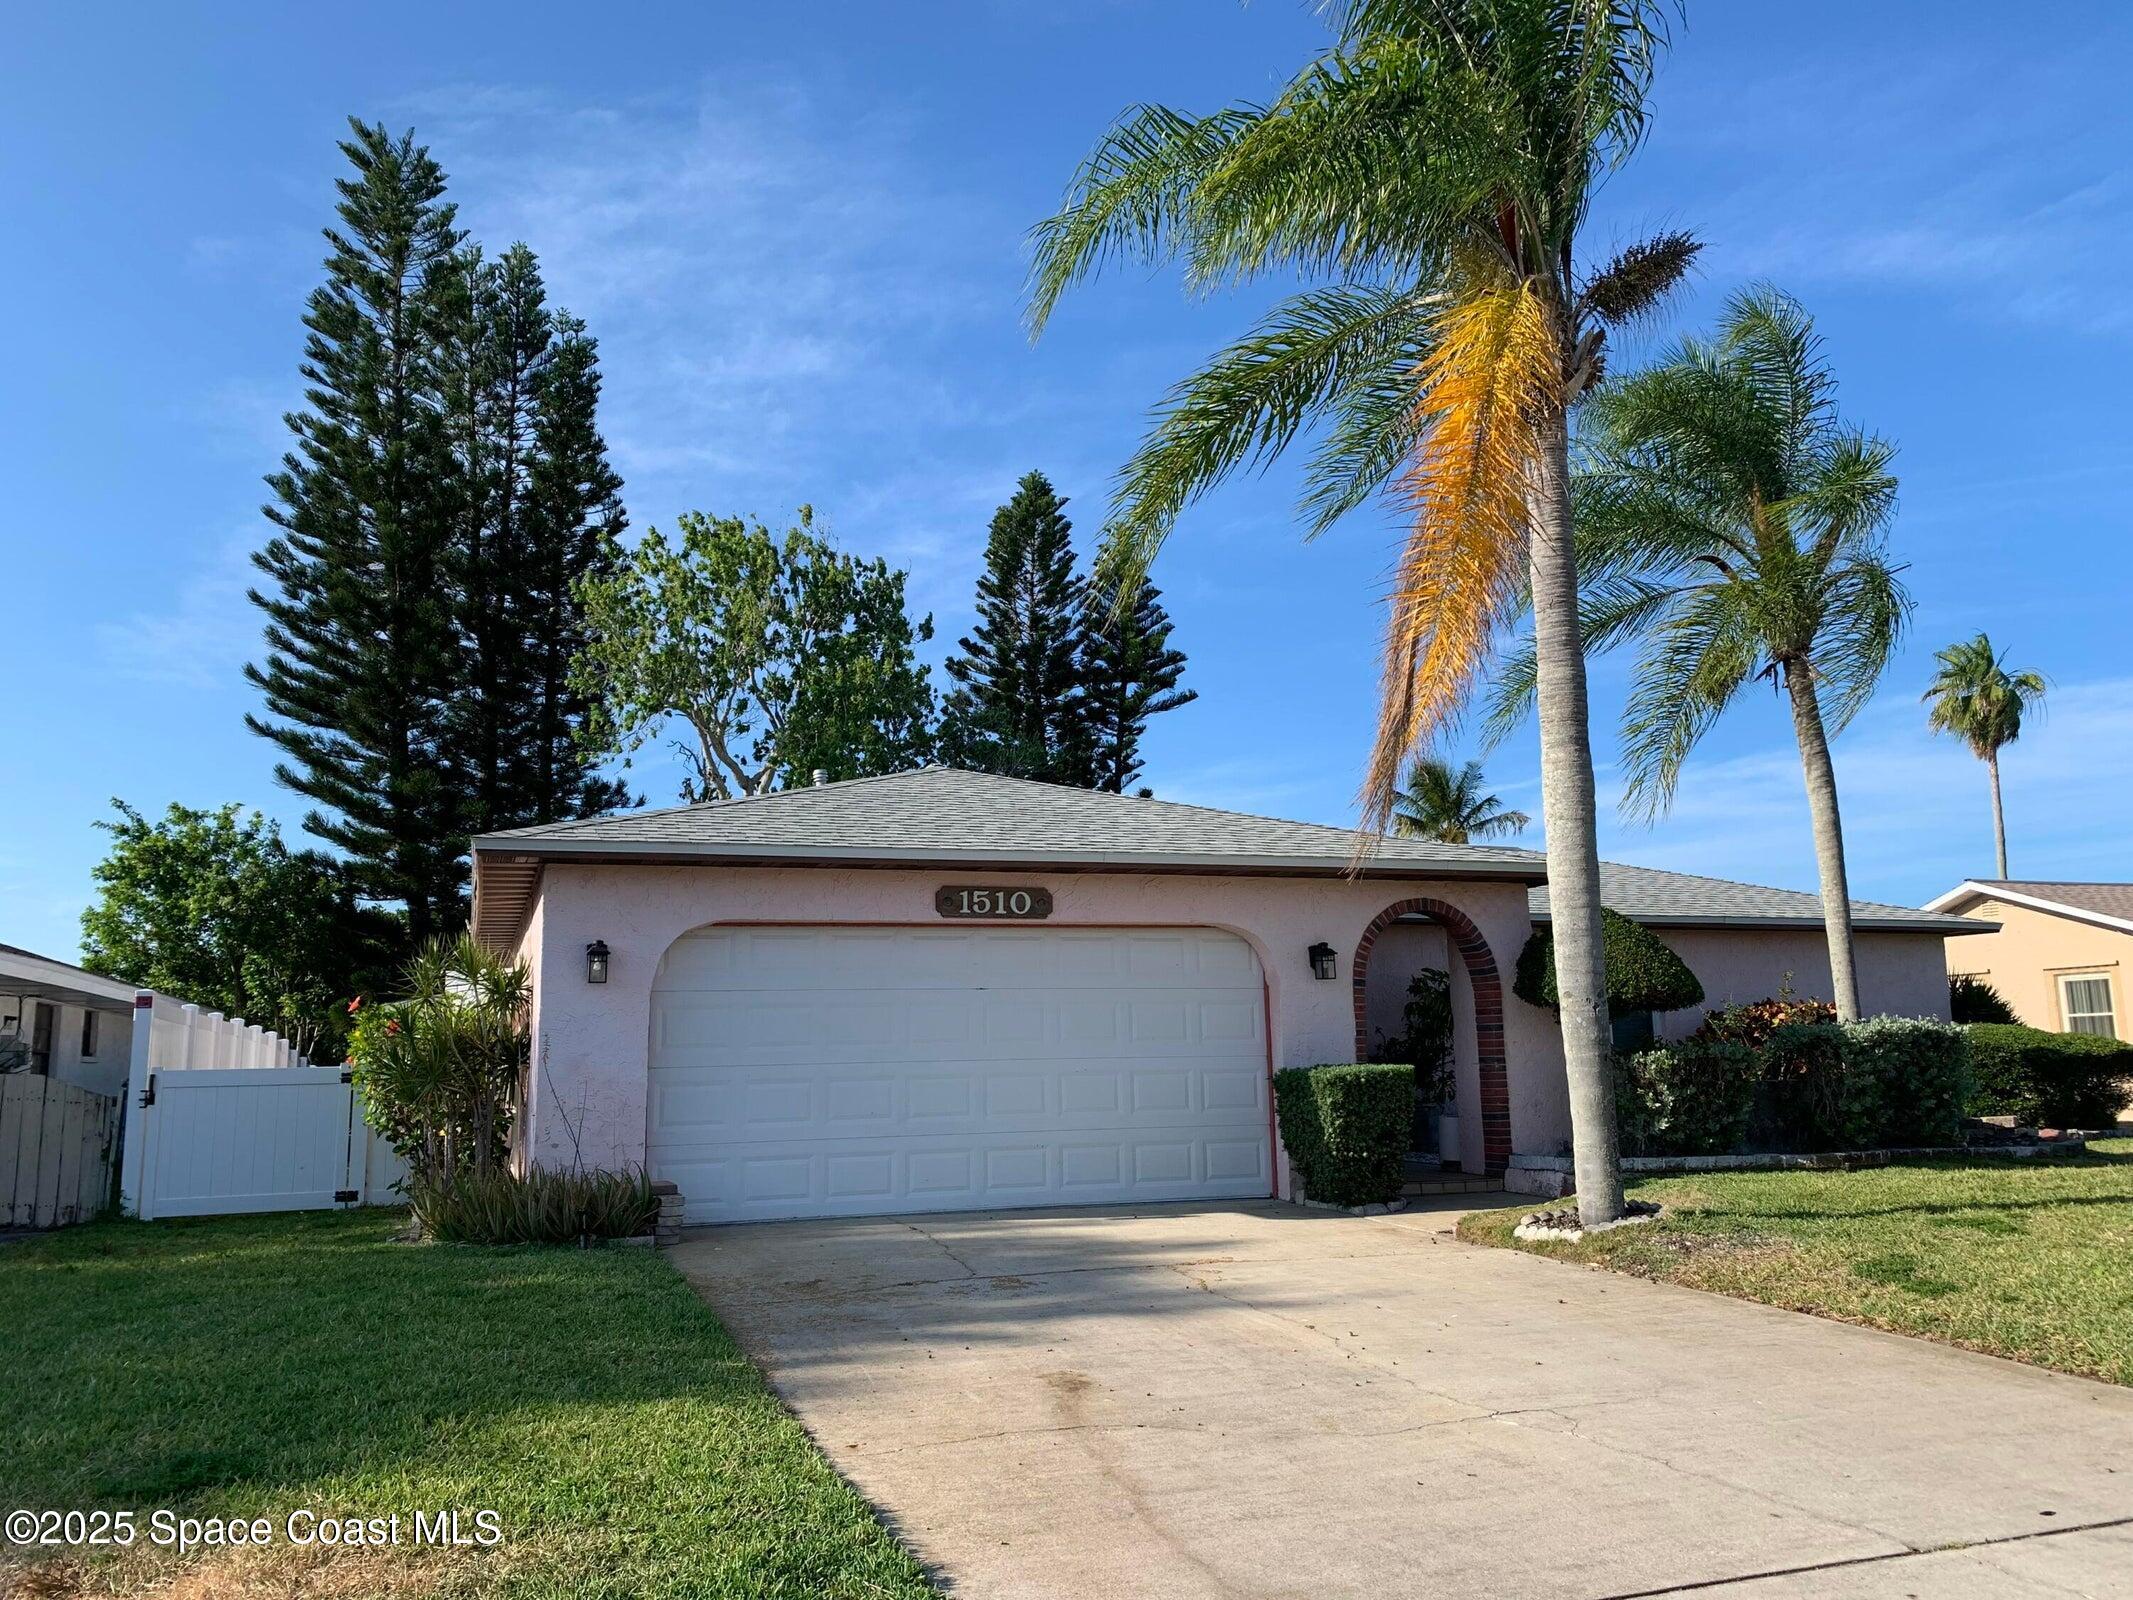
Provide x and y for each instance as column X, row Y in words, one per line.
column 1512, row 851
column 1767, row 888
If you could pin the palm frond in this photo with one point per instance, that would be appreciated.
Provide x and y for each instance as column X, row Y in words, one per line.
column 1130, row 198
column 1864, row 612
column 1611, row 610
column 1493, row 369
column 1692, row 666
column 1326, row 347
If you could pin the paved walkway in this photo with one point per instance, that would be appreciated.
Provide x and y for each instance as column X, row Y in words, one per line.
column 1267, row 1401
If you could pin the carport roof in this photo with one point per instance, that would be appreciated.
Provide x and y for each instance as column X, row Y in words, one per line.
column 969, row 820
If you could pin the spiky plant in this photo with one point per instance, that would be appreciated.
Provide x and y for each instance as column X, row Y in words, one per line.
column 1976, row 698
column 1733, row 524
column 1448, row 804
column 1427, row 176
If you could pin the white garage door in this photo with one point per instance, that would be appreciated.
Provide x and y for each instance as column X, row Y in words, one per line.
column 824, row 1072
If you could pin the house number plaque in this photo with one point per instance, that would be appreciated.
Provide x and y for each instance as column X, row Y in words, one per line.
column 980, row 900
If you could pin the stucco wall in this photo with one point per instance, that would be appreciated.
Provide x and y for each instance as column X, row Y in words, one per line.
column 1900, row 974
column 591, row 1042
column 2032, row 950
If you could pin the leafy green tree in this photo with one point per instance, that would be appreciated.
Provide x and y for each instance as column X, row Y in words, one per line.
column 1448, row 804
column 212, row 907
column 1017, row 707
column 362, row 657
column 1976, row 698
column 1129, row 673
column 1732, row 523
column 1431, row 172
column 779, row 654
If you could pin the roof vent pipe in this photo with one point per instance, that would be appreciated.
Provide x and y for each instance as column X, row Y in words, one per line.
column 822, row 777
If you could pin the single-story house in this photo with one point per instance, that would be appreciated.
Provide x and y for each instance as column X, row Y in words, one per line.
column 2058, row 952
column 943, row 990
column 63, row 1021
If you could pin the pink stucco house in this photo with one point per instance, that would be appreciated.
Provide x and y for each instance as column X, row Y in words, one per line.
column 942, row 990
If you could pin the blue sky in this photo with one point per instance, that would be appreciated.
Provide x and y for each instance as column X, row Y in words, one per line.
column 798, row 233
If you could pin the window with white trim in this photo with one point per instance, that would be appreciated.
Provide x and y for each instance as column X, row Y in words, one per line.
column 2085, row 1003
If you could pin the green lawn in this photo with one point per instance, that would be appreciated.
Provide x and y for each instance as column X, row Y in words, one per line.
column 2032, row 1260
column 253, row 1366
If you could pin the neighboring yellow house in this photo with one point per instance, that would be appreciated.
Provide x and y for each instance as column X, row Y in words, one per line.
column 2063, row 956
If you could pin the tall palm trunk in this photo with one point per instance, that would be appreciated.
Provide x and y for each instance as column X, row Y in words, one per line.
column 1570, row 814
column 1999, row 818
column 1829, row 836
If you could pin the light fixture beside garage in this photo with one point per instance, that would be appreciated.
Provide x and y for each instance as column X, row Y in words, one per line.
column 596, row 961
column 1321, row 960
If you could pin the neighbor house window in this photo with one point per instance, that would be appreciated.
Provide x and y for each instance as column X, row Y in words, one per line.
column 88, row 1036
column 2085, row 1002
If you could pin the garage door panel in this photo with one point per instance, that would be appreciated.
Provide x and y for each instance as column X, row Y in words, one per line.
column 750, row 1107
column 775, row 1182
column 823, row 1072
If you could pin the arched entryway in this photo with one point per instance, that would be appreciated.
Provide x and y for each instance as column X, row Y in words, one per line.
column 1486, row 985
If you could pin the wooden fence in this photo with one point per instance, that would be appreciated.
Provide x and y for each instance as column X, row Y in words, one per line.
column 57, row 1141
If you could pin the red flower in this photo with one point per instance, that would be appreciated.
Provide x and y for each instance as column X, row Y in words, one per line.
column 391, row 1028
column 355, row 1005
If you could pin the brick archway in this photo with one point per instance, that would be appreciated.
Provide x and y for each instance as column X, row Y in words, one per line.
column 1487, row 985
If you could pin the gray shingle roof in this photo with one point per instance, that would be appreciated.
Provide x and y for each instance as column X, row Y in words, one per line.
column 2110, row 900
column 943, row 813
column 1681, row 899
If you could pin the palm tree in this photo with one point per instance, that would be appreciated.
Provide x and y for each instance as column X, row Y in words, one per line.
column 1427, row 177
column 1734, row 524
column 1447, row 804
column 1977, row 699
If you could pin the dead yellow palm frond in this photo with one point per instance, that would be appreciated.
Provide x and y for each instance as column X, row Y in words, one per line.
column 1493, row 369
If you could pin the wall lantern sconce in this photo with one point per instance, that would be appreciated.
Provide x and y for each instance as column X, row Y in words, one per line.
column 1321, row 960
column 596, row 961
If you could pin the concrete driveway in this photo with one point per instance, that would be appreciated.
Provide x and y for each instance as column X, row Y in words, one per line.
column 1263, row 1400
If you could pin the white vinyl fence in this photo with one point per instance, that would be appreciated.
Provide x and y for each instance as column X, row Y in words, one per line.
column 223, row 1116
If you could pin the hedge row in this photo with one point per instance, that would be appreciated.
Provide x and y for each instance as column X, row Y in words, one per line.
column 1804, row 1086
column 2048, row 1080
column 1346, row 1128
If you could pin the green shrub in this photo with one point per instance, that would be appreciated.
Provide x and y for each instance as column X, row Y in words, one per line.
column 1753, row 1021
column 2047, row 1080
column 1643, row 974
column 1802, row 1102
column 1424, row 1041
column 1695, row 1098
column 1346, row 1128
column 541, row 1207
column 1915, row 1076
column 1974, row 1000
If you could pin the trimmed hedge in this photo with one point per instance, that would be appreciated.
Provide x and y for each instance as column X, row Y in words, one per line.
column 1346, row 1128
column 1808, row 1086
column 1643, row 974
column 1691, row 1099
column 2047, row 1080
column 1753, row 1021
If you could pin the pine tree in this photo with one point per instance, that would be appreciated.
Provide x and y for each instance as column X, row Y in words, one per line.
column 361, row 657
column 574, row 522
column 1018, row 705
column 540, row 508
column 1129, row 673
